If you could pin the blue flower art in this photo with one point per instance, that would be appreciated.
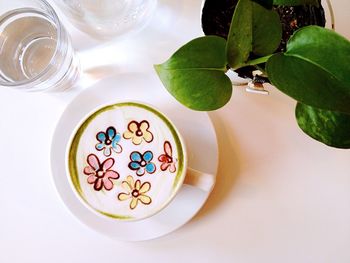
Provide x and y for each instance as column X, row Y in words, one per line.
column 141, row 163
column 109, row 141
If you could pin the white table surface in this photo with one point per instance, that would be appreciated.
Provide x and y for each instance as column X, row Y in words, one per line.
column 280, row 196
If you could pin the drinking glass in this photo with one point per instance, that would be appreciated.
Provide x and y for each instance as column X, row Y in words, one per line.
column 35, row 50
column 108, row 18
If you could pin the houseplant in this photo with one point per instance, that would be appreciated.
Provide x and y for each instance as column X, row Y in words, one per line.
column 313, row 68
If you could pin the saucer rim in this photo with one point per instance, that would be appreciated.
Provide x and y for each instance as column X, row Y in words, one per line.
column 84, row 216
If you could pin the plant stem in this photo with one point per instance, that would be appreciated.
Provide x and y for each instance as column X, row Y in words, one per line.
column 258, row 61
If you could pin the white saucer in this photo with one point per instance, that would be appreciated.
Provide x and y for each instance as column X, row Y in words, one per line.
column 196, row 128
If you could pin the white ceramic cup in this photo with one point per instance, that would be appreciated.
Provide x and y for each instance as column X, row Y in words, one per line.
column 127, row 161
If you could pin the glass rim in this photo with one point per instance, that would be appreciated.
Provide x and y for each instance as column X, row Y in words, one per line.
column 60, row 33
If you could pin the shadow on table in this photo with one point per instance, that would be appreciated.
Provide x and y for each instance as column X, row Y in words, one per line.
column 102, row 71
column 228, row 169
column 87, row 78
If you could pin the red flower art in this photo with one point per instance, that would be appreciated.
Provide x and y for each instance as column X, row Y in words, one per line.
column 167, row 160
column 100, row 175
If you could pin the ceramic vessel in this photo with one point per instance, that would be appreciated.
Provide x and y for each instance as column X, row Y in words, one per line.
column 127, row 161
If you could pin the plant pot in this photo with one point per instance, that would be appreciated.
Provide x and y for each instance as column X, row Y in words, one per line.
column 216, row 19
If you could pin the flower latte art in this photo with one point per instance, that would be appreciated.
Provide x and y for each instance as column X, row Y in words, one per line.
column 126, row 161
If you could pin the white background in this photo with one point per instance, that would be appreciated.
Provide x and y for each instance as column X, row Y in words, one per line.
column 280, row 196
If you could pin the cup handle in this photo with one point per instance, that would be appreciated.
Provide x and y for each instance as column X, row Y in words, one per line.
column 203, row 181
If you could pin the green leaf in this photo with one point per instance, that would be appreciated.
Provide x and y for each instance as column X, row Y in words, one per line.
column 296, row 2
column 195, row 74
column 328, row 127
column 253, row 29
column 267, row 30
column 315, row 69
column 240, row 37
column 265, row 3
